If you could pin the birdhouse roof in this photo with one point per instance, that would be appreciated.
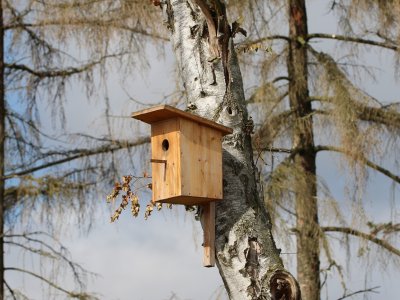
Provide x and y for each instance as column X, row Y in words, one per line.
column 164, row 112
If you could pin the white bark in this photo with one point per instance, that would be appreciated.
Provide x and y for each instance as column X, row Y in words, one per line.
column 245, row 250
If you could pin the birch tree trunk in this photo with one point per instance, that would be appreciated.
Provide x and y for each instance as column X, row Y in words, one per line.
column 246, row 255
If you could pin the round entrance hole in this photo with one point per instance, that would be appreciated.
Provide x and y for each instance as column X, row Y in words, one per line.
column 165, row 145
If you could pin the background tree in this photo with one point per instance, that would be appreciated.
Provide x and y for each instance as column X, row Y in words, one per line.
column 312, row 104
column 43, row 176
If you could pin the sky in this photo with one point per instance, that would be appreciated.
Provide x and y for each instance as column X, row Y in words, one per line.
column 162, row 257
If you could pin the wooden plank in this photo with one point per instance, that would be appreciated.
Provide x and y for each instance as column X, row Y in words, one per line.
column 213, row 171
column 201, row 160
column 163, row 112
column 208, row 217
column 166, row 171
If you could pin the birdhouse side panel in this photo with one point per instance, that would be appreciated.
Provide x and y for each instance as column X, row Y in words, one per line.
column 166, row 170
column 201, row 160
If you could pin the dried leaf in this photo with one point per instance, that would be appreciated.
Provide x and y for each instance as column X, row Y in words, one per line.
column 135, row 206
column 126, row 179
column 124, row 202
column 149, row 210
column 117, row 186
column 135, row 199
column 125, row 183
column 135, row 210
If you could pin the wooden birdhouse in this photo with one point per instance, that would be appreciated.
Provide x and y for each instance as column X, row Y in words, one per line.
column 186, row 156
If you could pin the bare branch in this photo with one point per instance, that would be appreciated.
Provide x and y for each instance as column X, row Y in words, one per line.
column 277, row 150
column 263, row 39
column 385, row 228
column 61, row 254
column 10, row 290
column 51, row 73
column 31, row 249
column 85, row 22
column 75, row 295
column 80, row 153
column 367, row 236
column 383, row 115
column 352, row 40
column 370, row 290
column 363, row 160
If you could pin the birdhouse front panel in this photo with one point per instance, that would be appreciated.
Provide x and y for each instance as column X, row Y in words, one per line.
column 165, row 152
column 201, row 161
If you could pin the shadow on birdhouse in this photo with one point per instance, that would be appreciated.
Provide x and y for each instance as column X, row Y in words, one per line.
column 186, row 157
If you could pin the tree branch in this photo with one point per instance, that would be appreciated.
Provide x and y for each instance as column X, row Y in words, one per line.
column 277, row 150
column 352, row 40
column 385, row 228
column 10, row 290
column 382, row 115
column 51, row 73
column 266, row 38
column 360, row 291
column 364, row 160
column 367, row 236
column 31, row 249
column 53, row 253
column 75, row 295
column 97, row 23
column 80, row 153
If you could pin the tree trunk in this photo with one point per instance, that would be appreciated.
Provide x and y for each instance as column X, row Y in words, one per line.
column 2, row 142
column 305, row 185
column 246, row 255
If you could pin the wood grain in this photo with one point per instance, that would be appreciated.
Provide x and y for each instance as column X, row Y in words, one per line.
column 164, row 112
column 166, row 177
column 208, row 220
column 201, row 160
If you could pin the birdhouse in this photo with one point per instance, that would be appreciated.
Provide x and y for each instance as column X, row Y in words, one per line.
column 186, row 157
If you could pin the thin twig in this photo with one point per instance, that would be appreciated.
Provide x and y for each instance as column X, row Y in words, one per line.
column 370, row 290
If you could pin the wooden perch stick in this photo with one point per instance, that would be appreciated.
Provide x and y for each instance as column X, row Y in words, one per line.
column 208, row 220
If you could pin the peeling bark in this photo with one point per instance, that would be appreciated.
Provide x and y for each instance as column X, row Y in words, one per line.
column 247, row 257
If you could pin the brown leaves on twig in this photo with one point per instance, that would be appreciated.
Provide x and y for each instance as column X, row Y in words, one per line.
column 131, row 197
column 115, row 192
column 135, row 206
column 125, row 186
column 149, row 210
